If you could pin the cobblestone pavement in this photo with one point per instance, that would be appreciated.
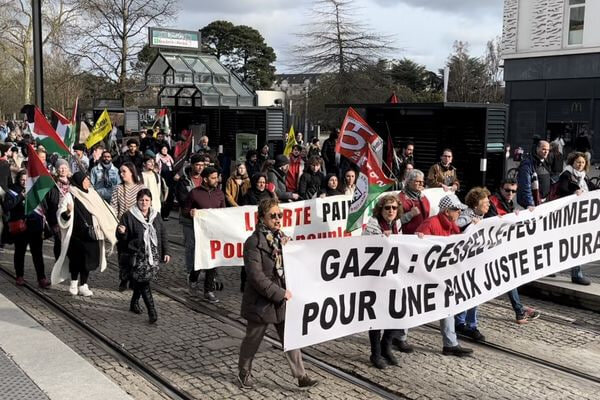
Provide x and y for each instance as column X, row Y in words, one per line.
column 200, row 354
column 120, row 373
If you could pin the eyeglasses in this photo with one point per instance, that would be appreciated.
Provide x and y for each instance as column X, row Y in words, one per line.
column 509, row 190
column 388, row 208
column 276, row 215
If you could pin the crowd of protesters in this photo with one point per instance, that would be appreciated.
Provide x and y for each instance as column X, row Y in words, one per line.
column 104, row 199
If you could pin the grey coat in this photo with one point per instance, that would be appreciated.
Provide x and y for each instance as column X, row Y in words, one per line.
column 263, row 299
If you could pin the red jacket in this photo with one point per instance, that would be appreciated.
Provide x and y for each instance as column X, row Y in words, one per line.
column 409, row 228
column 201, row 198
column 293, row 175
column 438, row 225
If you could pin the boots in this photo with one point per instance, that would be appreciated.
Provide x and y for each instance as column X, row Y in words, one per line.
column 73, row 289
column 376, row 358
column 149, row 301
column 134, row 305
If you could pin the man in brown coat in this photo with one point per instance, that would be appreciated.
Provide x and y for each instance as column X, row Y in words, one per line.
column 443, row 174
column 265, row 295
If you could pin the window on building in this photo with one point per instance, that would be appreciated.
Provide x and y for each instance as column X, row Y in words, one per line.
column 576, row 19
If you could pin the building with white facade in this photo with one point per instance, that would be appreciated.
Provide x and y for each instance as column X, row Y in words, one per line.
column 551, row 52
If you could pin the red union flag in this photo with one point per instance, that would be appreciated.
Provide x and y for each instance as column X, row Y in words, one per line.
column 356, row 136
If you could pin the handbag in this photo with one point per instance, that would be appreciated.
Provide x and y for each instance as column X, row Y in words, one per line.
column 16, row 227
column 91, row 232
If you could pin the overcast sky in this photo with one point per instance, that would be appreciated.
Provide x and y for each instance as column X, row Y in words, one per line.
column 422, row 30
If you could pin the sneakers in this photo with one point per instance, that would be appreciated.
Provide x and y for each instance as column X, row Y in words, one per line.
column 378, row 362
column 306, row 382
column 581, row 281
column 457, row 351
column 471, row 333
column 85, row 291
column 44, row 283
column 529, row 315
column 193, row 288
column 245, row 380
column 474, row 334
column 402, row 346
column 210, row 297
column 73, row 289
column 20, row 281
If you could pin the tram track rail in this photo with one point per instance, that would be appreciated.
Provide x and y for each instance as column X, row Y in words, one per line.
column 345, row 375
column 564, row 321
column 104, row 342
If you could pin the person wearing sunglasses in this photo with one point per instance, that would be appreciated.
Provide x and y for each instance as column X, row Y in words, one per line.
column 385, row 221
column 263, row 302
column 501, row 203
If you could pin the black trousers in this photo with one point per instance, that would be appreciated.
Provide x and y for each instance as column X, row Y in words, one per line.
column 209, row 280
column 34, row 240
column 381, row 344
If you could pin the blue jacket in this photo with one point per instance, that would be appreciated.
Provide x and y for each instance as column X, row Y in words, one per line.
column 105, row 180
column 528, row 192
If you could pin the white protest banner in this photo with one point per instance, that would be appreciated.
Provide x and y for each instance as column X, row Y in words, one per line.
column 341, row 287
column 221, row 232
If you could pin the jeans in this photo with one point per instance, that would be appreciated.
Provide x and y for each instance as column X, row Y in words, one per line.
column 515, row 302
column 467, row 318
column 448, row 333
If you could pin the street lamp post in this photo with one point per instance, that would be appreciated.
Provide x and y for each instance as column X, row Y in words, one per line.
column 38, row 69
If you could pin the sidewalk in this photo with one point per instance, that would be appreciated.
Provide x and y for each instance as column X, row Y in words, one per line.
column 559, row 289
column 34, row 364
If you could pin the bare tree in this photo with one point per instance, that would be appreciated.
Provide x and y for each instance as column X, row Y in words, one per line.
column 16, row 32
column 336, row 40
column 115, row 32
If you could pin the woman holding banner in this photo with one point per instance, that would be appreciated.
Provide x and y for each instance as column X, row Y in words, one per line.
column 264, row 299
column 385, row 221
column 574, row 180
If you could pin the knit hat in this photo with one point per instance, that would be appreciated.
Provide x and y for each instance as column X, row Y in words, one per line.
column 281, row 160
column 196, row 158
column 60, row 162
column 451, row 201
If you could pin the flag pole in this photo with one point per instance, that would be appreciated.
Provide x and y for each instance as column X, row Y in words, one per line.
column 389, row 168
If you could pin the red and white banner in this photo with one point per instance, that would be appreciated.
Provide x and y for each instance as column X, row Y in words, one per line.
column 221, row 232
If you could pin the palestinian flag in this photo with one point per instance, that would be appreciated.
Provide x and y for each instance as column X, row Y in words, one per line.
column 39, row 181
column 66, row 128
column 45, row 135
column 370, row 184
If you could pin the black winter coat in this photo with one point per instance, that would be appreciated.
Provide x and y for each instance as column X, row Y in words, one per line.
column 132, row 241
column 568, row 185
column 310, row 184
column 263, row 299
column 253, row 197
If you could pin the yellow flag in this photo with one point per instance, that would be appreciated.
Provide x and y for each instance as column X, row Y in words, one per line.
column 291, row 142
column 102, row 128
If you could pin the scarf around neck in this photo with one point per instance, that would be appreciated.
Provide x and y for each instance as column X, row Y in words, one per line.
column 579, row 176
column 274, row 241
column 150, row 237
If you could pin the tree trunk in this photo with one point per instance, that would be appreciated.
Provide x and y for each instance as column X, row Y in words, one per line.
column 339, row 39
